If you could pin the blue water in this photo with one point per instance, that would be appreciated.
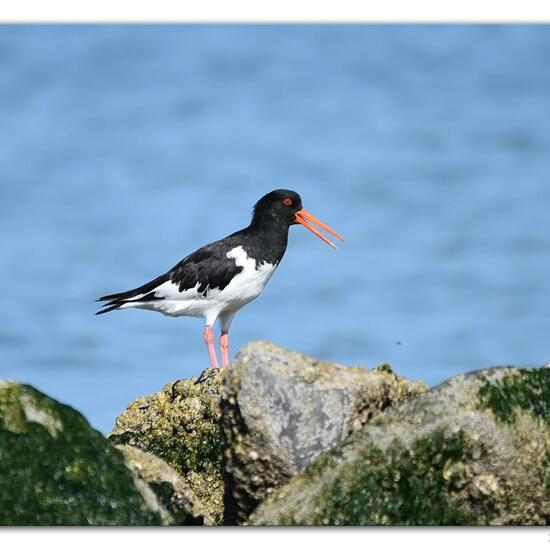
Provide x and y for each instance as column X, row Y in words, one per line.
column 124, row 148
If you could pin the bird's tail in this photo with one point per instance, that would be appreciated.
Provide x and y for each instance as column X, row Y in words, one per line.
column 144, row 293
column 111, row 307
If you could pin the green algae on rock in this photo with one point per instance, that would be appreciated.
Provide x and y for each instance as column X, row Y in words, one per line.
column 442, row 459
column 397, row 486
column 55, row 469
column 281, row 410
column 180, row 424
column 527, row 390
column 165, row 489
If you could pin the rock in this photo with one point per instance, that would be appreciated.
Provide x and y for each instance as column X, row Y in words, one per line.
column 165, row 489
column 472, row 451
column 180, row 425
column 55, row 469
column 281, row 410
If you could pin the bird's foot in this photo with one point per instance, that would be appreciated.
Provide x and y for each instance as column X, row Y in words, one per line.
column 207, row 374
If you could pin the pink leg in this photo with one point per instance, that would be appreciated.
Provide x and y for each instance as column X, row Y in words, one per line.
column 224, row 346
column 209, row 339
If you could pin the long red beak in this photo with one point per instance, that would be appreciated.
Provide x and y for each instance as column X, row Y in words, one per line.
column 303, row 217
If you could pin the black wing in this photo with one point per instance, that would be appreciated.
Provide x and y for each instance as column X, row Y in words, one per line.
column 209, row 266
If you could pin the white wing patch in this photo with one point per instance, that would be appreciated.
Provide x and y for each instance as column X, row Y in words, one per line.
column 243, row 288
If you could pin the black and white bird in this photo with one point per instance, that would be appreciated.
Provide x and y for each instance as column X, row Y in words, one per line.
column 217, row 280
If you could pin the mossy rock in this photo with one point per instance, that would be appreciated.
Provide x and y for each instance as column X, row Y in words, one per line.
column 180, row 425
column 282, row 409
column 472, row 451
column 55, row 469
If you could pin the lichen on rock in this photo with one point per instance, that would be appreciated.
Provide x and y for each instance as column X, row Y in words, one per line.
column 55, row 469
column 180, row 424
column 165, row 489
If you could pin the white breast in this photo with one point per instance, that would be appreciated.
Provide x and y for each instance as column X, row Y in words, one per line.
column 247, row 284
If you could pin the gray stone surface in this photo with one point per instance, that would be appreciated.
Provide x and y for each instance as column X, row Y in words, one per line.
column 281, row 409
column 294, row 441
column 474, row 450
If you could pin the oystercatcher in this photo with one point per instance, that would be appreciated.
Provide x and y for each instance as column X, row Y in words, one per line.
column 217, row 280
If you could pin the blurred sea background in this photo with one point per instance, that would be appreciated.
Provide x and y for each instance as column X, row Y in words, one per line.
column 124, row 148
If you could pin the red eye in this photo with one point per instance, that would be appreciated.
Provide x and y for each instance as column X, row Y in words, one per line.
column 287, row 201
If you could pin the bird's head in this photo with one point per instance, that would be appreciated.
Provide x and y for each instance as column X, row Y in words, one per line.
column 285, row 206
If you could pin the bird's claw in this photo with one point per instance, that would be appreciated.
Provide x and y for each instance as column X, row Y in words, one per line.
column 207, row 374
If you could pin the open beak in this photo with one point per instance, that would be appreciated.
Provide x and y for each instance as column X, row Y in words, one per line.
column 303, row 217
